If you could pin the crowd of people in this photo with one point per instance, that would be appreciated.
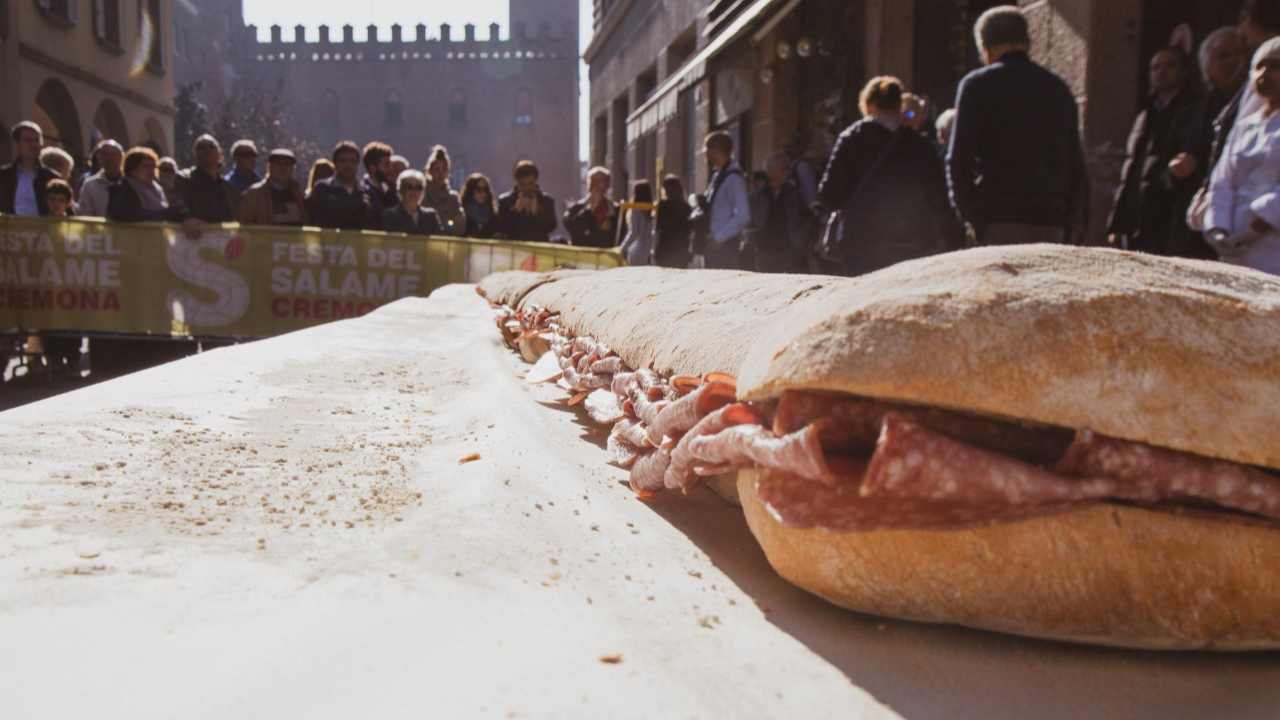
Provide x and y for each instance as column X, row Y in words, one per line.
column 138, row 185
column 1005, row 165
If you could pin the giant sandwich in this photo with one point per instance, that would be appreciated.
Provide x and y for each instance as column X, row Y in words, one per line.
column 1049, row 441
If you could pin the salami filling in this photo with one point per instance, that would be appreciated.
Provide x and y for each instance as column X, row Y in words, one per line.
column 850, row 464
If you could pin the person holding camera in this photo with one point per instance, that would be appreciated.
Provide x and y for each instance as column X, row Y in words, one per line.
column 526, row 213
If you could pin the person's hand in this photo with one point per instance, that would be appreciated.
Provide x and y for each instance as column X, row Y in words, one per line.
column 1114, row 240
column 970, row 236
column 1183, row 165
column 1260, row 226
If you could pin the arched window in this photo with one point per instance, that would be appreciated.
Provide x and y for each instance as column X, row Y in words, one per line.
column 524, row 107
column 56, row 112
column 110, row 124
column 393, row 110
column 457, row 108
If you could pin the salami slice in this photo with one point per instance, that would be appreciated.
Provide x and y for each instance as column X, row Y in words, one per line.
column 912, row 462
column 608, row 366
column 801, row 503
column 680, row 473
column 799, row 453
column 1149, row 474
column 681, row 415
column 622, row 452
column 603, row 407
column 854, row 425
column 547, row 369
column 649, row 470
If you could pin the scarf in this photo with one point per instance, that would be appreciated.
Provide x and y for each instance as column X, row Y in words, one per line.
column 481, row 213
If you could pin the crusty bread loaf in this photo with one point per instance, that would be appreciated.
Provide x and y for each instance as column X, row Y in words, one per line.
column 1177, row 353
column 674, row 321
column 1108, row 575
column 1181, row 354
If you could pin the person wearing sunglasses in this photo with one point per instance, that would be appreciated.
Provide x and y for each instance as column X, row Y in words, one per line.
column 410, row 216
column 479, row 205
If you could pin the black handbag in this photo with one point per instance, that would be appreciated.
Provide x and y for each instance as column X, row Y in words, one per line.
column 831, row 244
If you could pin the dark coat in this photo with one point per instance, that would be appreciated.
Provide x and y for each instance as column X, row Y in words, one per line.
column 477, row 228
column 1150, row 203
column 520, row 226
column 671, row 239
column 397, row 220
column 331, row 205
column 776, row 221
column 585, row 229
column 9, row 186
column 209, row 198
column 125, row 205
column 1015, row 154
column 901, row 212
column 385, row 199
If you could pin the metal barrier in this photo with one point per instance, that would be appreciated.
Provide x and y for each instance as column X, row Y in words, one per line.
column 93, row 277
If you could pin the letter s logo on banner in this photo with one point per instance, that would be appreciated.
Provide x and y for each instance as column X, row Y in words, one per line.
column 230, row 288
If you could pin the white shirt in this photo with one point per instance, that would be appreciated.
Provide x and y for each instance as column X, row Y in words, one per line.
column 1246, row 185
column 24, row 197
column 94, row 195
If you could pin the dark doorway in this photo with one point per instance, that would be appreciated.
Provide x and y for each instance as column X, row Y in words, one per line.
column 945, row 50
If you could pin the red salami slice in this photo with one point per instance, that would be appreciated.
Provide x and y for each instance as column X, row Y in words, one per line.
column 608, row 366
column 632, row 433
column 1150, row 474
column 799, row 453
column 854, row 426
column 912, row 462
column 802, row 503
column 649, row 469
column 680, row 473
column 681, row 415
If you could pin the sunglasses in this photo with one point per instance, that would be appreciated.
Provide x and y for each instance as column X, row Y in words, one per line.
column 419, row 188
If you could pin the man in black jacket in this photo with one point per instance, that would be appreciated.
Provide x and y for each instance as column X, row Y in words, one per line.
column 377, row 171
column 23, row 183
column 340, row 202
column 205, row 194
column 526, row 213
column 1016, row 167
column 593, row 220
column 1151, row 203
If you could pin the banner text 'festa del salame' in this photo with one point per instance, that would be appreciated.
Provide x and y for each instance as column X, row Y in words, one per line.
column 90, row 276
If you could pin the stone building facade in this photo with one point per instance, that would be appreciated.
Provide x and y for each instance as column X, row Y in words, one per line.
column 86, row 70
column 770, row 72
column 492, row 98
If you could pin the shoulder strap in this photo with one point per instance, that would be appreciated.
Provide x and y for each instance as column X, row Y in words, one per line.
column 875, row 167
column 720, row 181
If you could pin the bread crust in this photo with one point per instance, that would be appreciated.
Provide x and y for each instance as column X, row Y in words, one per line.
column 676, row 321
column 1181, row 354
column 1105, row 575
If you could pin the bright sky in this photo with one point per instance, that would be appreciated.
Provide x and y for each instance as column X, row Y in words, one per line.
column 360, row 13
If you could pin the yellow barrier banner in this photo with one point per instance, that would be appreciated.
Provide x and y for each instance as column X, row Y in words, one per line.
column 91, row 276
